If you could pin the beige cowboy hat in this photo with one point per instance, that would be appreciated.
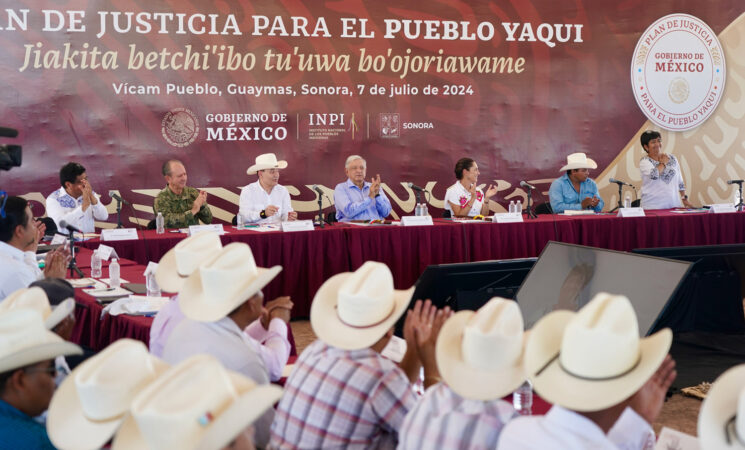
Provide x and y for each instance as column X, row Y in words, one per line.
column 266, row 161
column 35, row 298
column 223, row 283
column 480, row 354
column 184, row 258
column 592, row 359
column 25, row 340
column 578, row 161
column 721, row 421
column 353, row 310
column 197, row 404
column 94, row 399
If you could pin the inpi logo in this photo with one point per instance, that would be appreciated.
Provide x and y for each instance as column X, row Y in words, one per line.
column 326, row 119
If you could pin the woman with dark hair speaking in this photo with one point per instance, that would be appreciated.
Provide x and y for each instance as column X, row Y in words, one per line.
column 462, row 199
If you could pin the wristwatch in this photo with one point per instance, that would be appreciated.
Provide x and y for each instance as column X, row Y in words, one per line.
column 262, row 214
column 684, row 197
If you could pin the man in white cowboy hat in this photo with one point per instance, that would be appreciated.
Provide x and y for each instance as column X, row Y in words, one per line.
column 180, row 204
column 220, row 299
column 270, row 331
column 575, row 190
column 27, row 352
column 342, row 393
column 93, row 401
column 480, row 358
column 721, row 420
column 357, row 199
column 265, row 200
column 607, row 385
column 215, row 409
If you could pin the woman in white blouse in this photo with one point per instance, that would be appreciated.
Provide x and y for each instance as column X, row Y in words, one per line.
column 662, row 182
column 463, row 198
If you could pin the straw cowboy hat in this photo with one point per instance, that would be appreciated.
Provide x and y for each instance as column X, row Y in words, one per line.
column 223, row 283
column 721, row 421
column 94, row 399
column 593, row 359
column 578, row 161
column 353, row 310
column 197, row 404
column 480, row 354
column 35, row 298
column 184, row 258
column 266, row 161
column 25, row 340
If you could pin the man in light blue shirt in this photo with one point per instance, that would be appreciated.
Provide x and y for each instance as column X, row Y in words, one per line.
column 575, row 190
column 357, row 199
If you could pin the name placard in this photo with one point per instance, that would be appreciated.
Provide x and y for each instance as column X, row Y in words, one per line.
column 413, row 221
column 58, row 239
column 118, row 234
column 719, row 208
column 106, row 252
column 212, row 228
column 507, row 217
column 631, row 212
column 297, row 225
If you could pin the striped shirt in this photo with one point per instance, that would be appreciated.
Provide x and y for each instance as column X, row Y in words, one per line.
column 444, row 419
column 342, row 399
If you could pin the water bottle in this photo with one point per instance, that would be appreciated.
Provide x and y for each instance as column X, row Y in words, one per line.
column 522, row 399
column 114, row 280
column 425, row 209
column 160, row 224
column 239, row 220
column 96, row 265
column 418, row 209
column 519, row 207
column 627, row 201
column 512, row 206
column 153, row 290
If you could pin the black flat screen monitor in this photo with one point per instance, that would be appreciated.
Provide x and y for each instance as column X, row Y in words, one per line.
column 568, row 276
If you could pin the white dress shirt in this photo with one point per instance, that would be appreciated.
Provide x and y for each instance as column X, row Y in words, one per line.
column 62, row 206
column 254, row 199
column 19, row 269
column 561, row 428
column 233, row 348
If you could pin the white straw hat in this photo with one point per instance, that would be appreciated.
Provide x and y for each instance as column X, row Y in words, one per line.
column 480, row 354
column 721, row 420
column 25, row 340
column 223, row 283
column 197, row 404
column 593, row 359
column 266, row 161
column 93, row 400
column 578, row 161
column 184, row 258
column 35, row 298
column 353, row 310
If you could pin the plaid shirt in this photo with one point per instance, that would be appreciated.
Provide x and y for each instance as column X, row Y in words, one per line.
column 342, row 399
column 444, row 419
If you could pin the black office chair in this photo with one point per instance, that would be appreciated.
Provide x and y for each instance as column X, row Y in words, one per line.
column 636, row 203
column 331, row 217
column 446, row 214
column 235, row 220
column 544, row 208
column 151, row 225
column 51, row 229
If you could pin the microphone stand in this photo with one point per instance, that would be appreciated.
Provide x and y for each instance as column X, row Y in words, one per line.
column 320, row 211
column 620, row 198
column 531, row 214
column 119, row 214
column 740, row 205
column 73, row 266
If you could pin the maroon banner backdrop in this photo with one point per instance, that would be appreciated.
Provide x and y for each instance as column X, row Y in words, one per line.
column 121, row 86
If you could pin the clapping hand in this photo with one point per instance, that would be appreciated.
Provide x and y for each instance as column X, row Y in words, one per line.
column 491, row 191
column 55, row 263
column 279, row 308
column 648, row 400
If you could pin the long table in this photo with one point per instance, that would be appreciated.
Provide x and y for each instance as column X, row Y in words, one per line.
column 309, row 258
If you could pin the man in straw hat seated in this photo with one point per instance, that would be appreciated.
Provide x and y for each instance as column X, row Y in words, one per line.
column 342, row 392
column 480, row 358
column 575, row 190
column 265, row 200
column 607, row 385
column 94, row 399
column 220, row 299
column 269, row 334
column 721, row 420
column 27, row 352
column 197, row 404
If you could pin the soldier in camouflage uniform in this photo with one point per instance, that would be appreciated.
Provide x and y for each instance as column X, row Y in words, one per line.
column 181, row 205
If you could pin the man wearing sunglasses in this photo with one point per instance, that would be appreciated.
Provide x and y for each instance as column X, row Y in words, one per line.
column 75, row 202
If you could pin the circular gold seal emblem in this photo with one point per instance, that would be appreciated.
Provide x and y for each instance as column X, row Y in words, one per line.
column 678, row 72
column 180, row 127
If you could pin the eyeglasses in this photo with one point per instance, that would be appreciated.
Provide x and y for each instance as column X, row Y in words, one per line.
column 51, row 370
column 4, row 196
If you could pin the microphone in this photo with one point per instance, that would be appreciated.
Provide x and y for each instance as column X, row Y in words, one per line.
column 8, row 132
column 318, row 189
column 415, row 187
column 735, row 181
column 68, row 227
column 620, row 183
column 526, row 185
column 114, row 195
